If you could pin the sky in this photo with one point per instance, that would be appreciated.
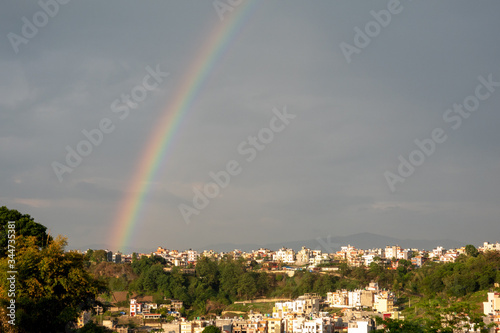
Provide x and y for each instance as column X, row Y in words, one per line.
column 315, row 107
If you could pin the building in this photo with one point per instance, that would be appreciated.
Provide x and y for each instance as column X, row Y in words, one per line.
column 384, row 302
column 173, row 327
column 284, row 255
column 192, row 256
column 492, row 306
column 135, row 307
column 338, row 299
column 361, row 326
column 303, row 256
column 392, row 251
column 417, row 261
column 305, row 305
column 274, row 325
column 490, row 247
column 117, row 257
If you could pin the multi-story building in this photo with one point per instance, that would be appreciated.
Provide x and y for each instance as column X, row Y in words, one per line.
column 490, row 247
column 304, row 305
column 392, row 251
column 192, row 256
column 437, row 252
column 284, row 255
column 117, row 257
column 361, row 326
column 274, row 325
column 338, row 299
column 135, row 307
column 384, row 302
column 492, row 305
column 418, row 261
column 405, row 254
column 303, row 255
column 368, row 259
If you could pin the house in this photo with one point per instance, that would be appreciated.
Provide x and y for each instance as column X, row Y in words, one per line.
column 492, row 306
column 285, row 255
column 147, row 316
column 392, row 251
column 384, row 302
column 274, row 325
column 361, row 326
column 418, row 261
column 176, row 304
column 135, row 307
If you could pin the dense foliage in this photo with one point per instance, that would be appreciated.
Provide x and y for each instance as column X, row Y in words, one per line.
column 51, row 286
column 25, row 226
column 222, row 282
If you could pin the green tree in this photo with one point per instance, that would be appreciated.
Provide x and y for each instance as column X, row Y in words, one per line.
column 211, row 329
column 25, row 226
column 471, row 250
column 99, row 256
column 399, row 326
column 52, row 285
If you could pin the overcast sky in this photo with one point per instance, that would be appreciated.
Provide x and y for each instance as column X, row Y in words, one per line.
column 357, row 108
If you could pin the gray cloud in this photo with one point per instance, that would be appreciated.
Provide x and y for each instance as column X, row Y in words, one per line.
column 322, row 175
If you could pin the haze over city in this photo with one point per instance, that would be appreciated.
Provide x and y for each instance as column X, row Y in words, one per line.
column 309, row 120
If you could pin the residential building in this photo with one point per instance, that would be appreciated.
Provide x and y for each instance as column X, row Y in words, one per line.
column 361, row 326
column 492, row 306
column 274, row 325
column 303, row 256
column 284, row 255
column 384, row 302
column 192, row 256
column 135, row 307
column 392, row 252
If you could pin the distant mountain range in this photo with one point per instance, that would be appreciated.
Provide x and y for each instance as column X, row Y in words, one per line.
column 364, row 240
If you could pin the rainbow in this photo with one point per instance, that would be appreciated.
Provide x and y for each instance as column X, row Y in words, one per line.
column 155, row 154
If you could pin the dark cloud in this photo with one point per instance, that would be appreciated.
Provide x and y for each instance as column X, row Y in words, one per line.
column 323, row 174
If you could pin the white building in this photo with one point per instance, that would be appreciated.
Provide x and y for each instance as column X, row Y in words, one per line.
column 368, row 259
column 135, row 308
column 303, row 255
column 360, row 326
column 192, row 256
column 284, row 255
column 405, row 254
column 492, row 306
column 392, row 251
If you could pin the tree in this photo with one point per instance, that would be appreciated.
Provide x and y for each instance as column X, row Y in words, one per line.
column 52, row 286
column 399, row 326
column 25, row 226
column 471, row 250
column 99, row 256
column 92, row 327
column 211, row 329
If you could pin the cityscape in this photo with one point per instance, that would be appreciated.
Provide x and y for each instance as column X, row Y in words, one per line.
column 249, row 166
column 337, row 311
